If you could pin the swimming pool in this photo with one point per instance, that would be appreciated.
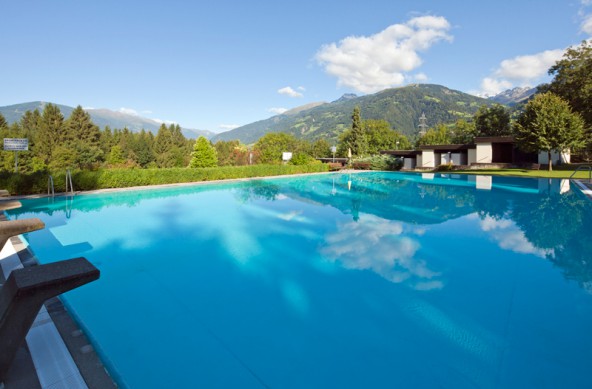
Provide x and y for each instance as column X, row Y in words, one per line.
column 334, row 280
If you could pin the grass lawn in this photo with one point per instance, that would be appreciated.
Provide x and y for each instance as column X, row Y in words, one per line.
column 582, row 174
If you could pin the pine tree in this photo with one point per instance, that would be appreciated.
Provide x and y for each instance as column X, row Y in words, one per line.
column 50, row 134
column 203, row 155
column 84, row 137
column 358, row 142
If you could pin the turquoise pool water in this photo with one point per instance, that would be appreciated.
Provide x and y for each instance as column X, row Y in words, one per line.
column 369, row 280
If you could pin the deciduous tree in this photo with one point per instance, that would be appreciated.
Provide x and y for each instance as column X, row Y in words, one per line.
column 548, row 124
column 492, row 121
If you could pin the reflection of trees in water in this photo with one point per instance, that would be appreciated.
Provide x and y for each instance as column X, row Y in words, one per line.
column 490, row 204
column 257, row 190
column 575, row 260
column 558, row 222
column 550, row 220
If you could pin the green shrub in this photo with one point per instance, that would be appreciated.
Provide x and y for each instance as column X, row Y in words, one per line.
column 379, row 162
column 36, row 183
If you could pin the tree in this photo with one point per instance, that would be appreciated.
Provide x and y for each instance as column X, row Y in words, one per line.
column 380, row 136
column 225, row 152
column 83, row 138
column 50, row 134
column 203, row 155
column 3, row 123
column 548, row 124
column 163, row 143
column 463, row 132
column 354, row 139
column 492, row 121
column 271, row 145
column 435, row 136
column 573, row 80
column 321, row 149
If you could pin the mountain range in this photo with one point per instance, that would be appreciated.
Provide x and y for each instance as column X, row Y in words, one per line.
column 514, row 96
column 101, row 117
column 401, row 107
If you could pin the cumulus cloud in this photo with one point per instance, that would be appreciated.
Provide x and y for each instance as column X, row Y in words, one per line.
column 277, row 110
column 228, row 127
column 371, row 63
column 526, row 68
column 165, row 121
column 420, row 77
column 491, row 86
column 586, row 26
column 288, row 91
column 522, row 70
column 128, row 111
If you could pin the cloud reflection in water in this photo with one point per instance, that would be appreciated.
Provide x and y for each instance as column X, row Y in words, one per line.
column 377, row 244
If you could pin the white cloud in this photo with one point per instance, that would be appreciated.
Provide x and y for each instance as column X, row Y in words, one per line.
column 277, row 110
column 165, row 121
column 228, row 127
column 372, row 63
column 586, row 26
column 301, row 88
column 288, row 91
column 491, row 86
column 420, row 77
column 526, row 68
column 522, row 70
column 128, row 111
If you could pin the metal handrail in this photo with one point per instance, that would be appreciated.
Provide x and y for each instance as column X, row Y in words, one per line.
column 69, row 181
column 50, row 189
column 582, row 167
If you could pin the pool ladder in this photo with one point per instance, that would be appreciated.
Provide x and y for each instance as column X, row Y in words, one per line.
column 69, row 186
column 50, row 189
column 69, row 181
column 583, row 167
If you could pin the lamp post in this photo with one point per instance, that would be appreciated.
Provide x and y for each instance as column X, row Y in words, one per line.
column 333, row 150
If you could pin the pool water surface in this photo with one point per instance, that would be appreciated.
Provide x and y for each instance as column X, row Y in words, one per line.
column 333, row 280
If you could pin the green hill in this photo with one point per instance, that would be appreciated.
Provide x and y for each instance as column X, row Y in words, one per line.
column 401, row 107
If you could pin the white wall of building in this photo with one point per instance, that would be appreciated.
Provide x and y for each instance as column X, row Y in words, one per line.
column 483, row 153
column 428, row 158
column 564, row 157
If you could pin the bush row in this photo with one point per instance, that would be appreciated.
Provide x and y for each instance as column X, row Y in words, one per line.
column 37, row 183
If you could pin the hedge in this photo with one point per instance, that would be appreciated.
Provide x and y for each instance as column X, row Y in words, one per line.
column 37, row 183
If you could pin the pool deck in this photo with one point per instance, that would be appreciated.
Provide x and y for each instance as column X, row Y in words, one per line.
column 56, row 354
column 585, row 187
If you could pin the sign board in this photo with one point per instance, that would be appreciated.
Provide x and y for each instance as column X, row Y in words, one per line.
column 16, row 144
column 333, row 149
column 286, row 156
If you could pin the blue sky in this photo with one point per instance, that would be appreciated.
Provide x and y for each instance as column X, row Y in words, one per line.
column 216, row 65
